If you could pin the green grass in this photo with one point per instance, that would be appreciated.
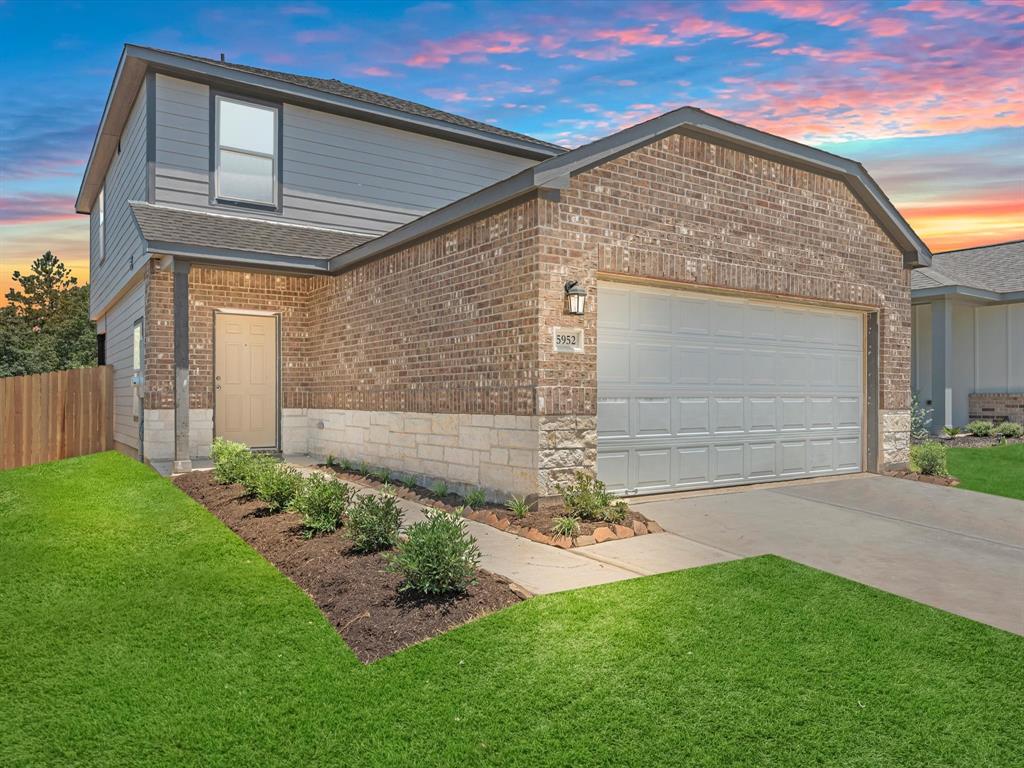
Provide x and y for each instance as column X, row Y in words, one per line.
column 135, row 629
column 998, row 470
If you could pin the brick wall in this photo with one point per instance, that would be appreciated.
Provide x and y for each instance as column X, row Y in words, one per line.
column 461, row 322
column 996, row 407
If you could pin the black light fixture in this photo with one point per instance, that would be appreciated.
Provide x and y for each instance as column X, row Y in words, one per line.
column 576, row 296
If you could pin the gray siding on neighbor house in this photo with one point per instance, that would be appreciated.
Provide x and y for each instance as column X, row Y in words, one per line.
column 125, row 182
column 337, row 171
column 119, row 322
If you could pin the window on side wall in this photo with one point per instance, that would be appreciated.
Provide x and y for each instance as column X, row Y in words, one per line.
column 101, row 228
column 246, row 160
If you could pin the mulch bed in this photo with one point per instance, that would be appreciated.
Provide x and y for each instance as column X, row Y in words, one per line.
column 354, row 591
column 970, row 441
column 535, row 525
column 906, row 474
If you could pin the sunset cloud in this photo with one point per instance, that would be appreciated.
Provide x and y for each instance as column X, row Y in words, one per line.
column 439, row 53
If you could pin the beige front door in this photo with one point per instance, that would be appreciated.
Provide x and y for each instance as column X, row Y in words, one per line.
column 245, row 379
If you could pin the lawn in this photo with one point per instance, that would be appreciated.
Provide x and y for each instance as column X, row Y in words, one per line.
column 138, row 630
column 998, row 470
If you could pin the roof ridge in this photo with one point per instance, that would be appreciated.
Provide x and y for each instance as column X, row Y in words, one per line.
column 365, row 95
column 978, row 247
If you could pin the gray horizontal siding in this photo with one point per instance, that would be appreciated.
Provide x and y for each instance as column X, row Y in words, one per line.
column 337, row 171
column 125, row 182
column 120, row 319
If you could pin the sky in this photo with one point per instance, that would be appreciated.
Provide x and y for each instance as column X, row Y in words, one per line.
column 925, row 93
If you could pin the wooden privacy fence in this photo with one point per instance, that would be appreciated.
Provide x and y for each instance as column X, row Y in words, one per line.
column 56, row 415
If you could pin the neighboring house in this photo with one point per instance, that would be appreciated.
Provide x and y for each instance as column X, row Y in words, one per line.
column 312, row 267
column 968, row 320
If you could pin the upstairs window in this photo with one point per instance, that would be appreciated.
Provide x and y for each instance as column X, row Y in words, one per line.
column 246, row 161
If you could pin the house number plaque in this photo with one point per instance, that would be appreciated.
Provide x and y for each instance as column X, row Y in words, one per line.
column 568, row 339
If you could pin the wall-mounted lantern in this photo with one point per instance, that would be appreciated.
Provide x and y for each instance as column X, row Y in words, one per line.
column 576, row 297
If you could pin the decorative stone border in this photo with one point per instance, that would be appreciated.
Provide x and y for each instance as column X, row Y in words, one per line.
column 601, row 534
column 933, row 479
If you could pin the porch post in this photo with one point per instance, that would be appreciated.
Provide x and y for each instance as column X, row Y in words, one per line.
column 942, row 364
column 182, row 461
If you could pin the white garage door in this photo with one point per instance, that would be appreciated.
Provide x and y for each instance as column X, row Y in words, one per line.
column 696, row 390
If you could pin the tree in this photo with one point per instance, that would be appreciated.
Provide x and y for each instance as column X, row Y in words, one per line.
column 46, row 325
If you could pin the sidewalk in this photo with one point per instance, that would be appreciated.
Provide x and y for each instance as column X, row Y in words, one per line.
column 542, row 569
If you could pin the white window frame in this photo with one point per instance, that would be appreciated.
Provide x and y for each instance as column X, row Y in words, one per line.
column 101, row 239
column 275, row 160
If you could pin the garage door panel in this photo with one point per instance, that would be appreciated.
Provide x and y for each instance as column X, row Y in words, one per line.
column 697, row 390
column 613, row 417
column 693, row 466
column 653, row 416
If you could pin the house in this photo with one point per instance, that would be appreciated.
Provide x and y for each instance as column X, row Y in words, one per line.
column 968, row 335
column 308, row 266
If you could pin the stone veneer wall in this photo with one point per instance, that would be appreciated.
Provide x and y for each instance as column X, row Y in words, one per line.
column 456, row 329
column 996, row 406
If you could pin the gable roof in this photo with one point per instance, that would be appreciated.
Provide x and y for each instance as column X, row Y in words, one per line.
column 313, row 92
column 994, row 272
column 555, row 172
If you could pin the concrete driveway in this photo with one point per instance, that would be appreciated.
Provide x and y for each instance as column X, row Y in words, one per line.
column 953, row 549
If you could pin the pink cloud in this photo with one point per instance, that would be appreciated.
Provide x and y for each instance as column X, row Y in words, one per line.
column 830, row 13
column 602, row 53
column 303, row 9
column 376, row 72
column 1002, row 11
column 434, row 54
column 454, row 96
column 25, row 209
column 766, row 40
column 850, row 56
column 887, row 27
column 635, row 36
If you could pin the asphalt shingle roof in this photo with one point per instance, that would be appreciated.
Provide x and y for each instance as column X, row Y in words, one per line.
column 997, row 268
column 349, row 91
column 160, row 223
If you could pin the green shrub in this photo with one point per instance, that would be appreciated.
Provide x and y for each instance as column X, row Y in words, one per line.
column 381, row 475
column 252, row 471
column 364, row 468
column 951, row 431
column 439, row 489
column 476, row 498
column 616, row 512
column 438, row 556
column 373, row 522
column 920, row 418
column 928, row 458
column 330, row 461
column 980, row 428
column 566, row 526
column 276, row 484
column 230, row 460
column 1008, row 429
column 517, row 506
column 586, row 497
column 322, row 503
column 345, row 465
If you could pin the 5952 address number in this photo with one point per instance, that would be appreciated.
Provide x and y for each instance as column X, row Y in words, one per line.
column 568, row 339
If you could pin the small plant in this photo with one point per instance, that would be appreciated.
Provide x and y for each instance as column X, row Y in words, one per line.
column 437, row 557
column 1008, row 429
column 617, row 512
column 951, row 431
column 517, row 506
column 364, row 468
column 928, row 458
column 330, row 461
column 476, row 498
column 230, row 460
column 322, row 503
column 566, row 526
column 920, row 418
column 381, row 475
column 980, row 428
column 373, row 522
column 345, row 465
column 439, row 489
column 277, row 484
column 586, row 497
column 252, row 471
